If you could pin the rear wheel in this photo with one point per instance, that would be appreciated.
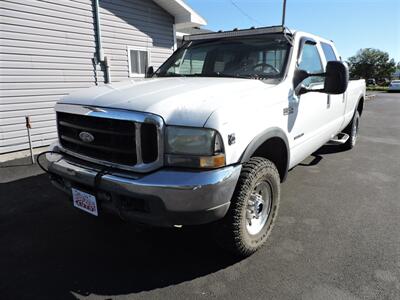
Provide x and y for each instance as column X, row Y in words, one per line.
column 352, row 131
column 253, row 209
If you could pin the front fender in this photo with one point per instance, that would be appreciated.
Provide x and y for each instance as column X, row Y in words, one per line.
column 260, row 139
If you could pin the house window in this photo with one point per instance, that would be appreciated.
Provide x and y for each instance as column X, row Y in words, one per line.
column 138, row 62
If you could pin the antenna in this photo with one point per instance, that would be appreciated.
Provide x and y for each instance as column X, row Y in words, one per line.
column 284, row 13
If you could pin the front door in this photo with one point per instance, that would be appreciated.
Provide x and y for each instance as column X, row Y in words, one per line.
column 307, row 119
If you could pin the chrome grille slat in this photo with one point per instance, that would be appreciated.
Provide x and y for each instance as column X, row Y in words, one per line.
column 139, row 158
column 118, row 136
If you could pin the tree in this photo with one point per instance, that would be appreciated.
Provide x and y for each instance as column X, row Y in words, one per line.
column 371, row 63
column 397, row 74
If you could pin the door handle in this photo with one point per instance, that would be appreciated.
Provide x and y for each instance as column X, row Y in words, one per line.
column 328, row 103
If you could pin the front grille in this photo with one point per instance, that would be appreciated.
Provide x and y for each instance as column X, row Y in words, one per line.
column 116, row 141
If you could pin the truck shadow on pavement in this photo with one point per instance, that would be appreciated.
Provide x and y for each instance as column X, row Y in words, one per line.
column 329, row 150
column 315, row 158
column 49, row 250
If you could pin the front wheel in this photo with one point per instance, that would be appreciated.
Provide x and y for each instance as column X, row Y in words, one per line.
column 253, row 209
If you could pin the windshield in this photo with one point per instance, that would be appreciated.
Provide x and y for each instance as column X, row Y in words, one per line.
column 255, row 57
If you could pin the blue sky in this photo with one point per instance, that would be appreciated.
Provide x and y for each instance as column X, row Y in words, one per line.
column 351, row 24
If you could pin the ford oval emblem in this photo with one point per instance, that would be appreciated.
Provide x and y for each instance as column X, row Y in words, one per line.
column 86, row 137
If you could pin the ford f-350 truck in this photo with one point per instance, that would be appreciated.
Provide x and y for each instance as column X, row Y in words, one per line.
column 209, row 136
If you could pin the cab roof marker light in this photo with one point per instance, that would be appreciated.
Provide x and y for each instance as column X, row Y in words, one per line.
column 235, row 33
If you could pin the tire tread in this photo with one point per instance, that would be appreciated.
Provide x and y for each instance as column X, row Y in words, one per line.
column 230, row 233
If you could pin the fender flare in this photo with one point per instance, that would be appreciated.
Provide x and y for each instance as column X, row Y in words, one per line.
column 274, row 132
column 361, row 98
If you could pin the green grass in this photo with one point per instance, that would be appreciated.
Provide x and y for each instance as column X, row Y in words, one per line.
column 377, row 88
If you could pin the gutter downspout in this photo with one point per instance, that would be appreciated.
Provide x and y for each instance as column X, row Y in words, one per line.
column 106, row 61
column 174, row 33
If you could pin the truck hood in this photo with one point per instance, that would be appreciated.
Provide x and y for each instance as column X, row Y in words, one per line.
column 185, row 101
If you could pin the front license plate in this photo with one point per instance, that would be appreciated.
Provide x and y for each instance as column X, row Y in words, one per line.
column 85, row 201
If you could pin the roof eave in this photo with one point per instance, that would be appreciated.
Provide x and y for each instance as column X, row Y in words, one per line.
column 185, row 16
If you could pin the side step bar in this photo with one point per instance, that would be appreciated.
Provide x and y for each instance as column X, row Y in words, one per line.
column 339, row 139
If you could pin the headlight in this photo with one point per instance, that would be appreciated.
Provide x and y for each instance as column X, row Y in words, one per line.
column 194, row 147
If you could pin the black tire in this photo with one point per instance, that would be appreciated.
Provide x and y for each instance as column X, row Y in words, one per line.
column 232, row 232
column 352, row 131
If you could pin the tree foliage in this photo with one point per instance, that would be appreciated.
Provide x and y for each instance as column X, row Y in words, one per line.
column 371, row 63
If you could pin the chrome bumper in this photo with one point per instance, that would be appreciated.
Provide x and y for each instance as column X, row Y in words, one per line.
column 163, row 198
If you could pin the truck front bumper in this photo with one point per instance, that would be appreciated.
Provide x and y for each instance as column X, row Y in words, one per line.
column 165, row 197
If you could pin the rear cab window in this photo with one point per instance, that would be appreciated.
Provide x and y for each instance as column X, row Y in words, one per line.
column 328, row 52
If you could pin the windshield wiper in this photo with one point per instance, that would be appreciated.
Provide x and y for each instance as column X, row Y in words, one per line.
column 170, row 75
column 227, row 75
column 214, row 75
column 248, row 76
column 196, row 75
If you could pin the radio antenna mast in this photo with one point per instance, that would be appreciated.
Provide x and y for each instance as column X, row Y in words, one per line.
column 284, row 13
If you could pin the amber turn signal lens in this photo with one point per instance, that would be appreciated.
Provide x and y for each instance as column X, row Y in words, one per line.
column 215, row 161
column 206, row 162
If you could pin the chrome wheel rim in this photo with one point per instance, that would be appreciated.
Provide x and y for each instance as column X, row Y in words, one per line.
column 258, row 207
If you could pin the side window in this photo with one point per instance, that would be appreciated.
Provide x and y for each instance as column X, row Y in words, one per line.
column 328, row 52
column 310, row 61
column 138, row 62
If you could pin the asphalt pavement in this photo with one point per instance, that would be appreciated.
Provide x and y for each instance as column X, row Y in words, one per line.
column 337, row 235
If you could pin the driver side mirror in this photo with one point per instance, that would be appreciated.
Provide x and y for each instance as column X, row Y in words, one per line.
column 149, row 72
column 336, row 79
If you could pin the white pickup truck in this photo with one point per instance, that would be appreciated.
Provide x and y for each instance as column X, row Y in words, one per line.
column 209, row 136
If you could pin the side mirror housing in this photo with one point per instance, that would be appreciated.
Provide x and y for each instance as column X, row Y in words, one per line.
column 336, row 78
column 149, row 72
